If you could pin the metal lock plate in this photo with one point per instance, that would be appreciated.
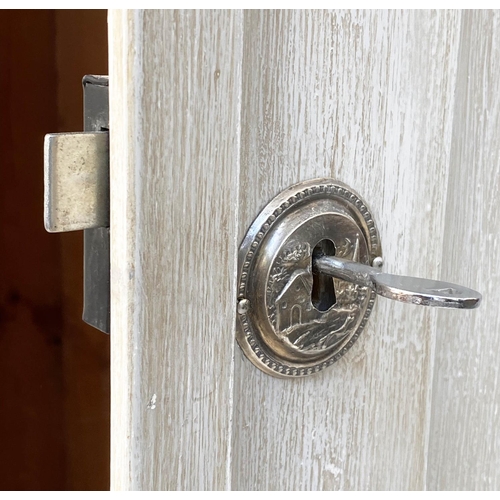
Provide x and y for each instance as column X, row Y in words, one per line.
column 77, row 195
column 291, row 322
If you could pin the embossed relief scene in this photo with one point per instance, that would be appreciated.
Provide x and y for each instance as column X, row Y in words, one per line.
column 290, row 307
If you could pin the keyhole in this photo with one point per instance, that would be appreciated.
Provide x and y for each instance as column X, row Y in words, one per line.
column 323, row 290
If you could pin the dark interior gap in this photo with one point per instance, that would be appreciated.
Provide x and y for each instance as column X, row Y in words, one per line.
column 323, row 290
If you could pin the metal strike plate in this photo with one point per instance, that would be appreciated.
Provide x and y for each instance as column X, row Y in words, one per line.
column 292, row 323
column 308, row 277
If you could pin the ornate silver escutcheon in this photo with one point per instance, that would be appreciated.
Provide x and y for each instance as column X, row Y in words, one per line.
column 308, row 277
column 293, row 322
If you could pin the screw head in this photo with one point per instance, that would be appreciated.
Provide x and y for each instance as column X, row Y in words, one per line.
column 243, row 306
column 378, row 262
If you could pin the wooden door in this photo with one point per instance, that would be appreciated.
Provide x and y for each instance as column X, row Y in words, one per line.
column 213, row 113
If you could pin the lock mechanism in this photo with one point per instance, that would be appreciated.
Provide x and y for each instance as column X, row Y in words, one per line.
column 77, row 195
column 308, row 277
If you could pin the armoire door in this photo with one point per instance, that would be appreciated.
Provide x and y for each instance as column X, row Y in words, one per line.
column 212, row 114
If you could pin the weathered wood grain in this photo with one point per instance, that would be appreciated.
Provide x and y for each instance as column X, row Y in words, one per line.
column 175, row 114
column 464, row 449
column 213, row 114
column 366, row 98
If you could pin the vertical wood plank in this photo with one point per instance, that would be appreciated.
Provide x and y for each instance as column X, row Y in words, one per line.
column 366, row 98
column 464, row 449
column 175, row 83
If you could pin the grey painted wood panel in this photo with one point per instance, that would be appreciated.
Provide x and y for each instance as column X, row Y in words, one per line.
column 175, row 92
column 464, row 451
column 213, row 114
column 366, row 98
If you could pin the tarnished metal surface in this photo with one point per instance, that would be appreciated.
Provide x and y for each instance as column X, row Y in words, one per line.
column 96, row 256
column 77, row 195
column 76, row 181
column 290, row 322
column 96, row 284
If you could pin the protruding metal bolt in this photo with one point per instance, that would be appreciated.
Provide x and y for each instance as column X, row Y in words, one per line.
column 378, row 262
column 243, row 306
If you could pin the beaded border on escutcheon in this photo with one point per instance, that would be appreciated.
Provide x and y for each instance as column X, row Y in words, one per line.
column 282, row 369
